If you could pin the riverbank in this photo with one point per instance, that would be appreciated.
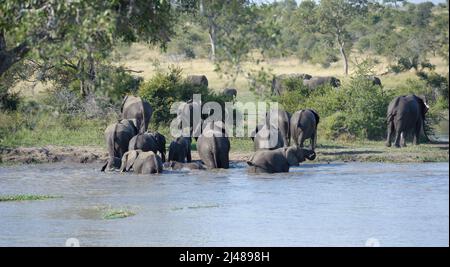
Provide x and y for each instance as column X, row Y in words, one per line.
column 241, row 151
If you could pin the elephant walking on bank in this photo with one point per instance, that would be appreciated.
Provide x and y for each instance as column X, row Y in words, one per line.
column 141, row 162
column 318, row 81
column 180, row 150
column 155, row 142
column 278, row 160
column 136, row 108
column 405, row 114
column 118, row 136
column 304, row 126
column 213, row 146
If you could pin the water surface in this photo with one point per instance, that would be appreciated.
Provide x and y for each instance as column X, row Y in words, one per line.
column 313, row 205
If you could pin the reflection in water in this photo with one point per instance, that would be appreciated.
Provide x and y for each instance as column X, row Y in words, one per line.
column 315, row 204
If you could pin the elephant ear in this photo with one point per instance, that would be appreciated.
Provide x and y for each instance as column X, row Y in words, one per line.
column 315, row 115
column 291, row 154
column 128, row 160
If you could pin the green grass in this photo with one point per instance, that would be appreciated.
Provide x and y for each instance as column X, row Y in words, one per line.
column 7, row 198
column 112, row 214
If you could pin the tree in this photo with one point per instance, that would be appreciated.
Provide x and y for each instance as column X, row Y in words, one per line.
column 334, row 18
column 69, row 38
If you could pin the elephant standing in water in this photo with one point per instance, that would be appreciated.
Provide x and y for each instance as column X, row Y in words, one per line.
column 155, row 142
column 118, row 136
column 213, row 146
column 303, row 126
column 405, row 114
column 141, row 162
column 278, row 160
column 267, row 138
column 280, row 120
column 136, row 108
column 180, row 150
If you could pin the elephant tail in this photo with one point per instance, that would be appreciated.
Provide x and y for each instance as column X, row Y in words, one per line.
column 143, row 128
column 155, row 159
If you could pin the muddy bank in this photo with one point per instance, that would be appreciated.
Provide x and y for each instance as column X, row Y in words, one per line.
column 327, row 153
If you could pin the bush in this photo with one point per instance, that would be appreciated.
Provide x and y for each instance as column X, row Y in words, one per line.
column 165, row 89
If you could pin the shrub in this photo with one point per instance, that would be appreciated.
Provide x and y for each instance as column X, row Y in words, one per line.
column 165, row 89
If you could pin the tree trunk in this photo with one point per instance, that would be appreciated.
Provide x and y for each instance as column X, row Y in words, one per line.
column 344, row 57
column 212, row 40
column 9, row 57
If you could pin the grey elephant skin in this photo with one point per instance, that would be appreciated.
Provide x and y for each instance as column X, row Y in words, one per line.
column 118, row 136
column 375, row 80
column 304, row 126
column 405, row 114
column 319, row 81
column 185, row 117
column 267, row 137
column 213, row 146
column 230, row 92
column 176, row 166
column 138, row 109
column 141, row 162
column 155, row 142
column 280, row 119
column 278, row 88
column 197, row 80
column 278, row 160
column 180, row 150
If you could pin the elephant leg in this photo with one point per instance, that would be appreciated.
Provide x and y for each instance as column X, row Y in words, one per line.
column 390, row 131
column 189, row 155
column 397, row 138
column 301, row 140
column 417, row 133
column 403, row 139
column 313, row 141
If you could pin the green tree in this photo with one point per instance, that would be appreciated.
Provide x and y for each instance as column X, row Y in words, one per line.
column 335, row 16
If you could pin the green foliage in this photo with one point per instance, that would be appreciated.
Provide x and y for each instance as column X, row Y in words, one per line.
column 165, row 89
column 9, row 198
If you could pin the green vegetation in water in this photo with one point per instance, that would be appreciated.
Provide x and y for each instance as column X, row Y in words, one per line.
column 117, row 214
column 6, row 198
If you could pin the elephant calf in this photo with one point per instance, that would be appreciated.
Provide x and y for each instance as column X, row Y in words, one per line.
column 278, row 160
column 180, row 150
column 141, row 162
column 175, row 166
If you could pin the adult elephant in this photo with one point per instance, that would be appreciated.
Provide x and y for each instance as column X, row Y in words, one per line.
column 318, row 81
column 155, row 142
column 280, row 120
column 213, row 146
column 405, row 114
column 180, row 150
column 232, row 92
column 278, row 86
column 185, row 117
column 304, row 126
column 118, row 136
column 197, row 80
column 138, row 109
column 278, row 160
column 141, row 162
column 268, row 138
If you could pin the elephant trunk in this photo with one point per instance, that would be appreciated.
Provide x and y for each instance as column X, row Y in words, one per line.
column 311, row 155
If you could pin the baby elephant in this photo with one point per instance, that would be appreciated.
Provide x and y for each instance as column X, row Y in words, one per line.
column 141, row 162
column 278, row 160
column 180, row 150
column 175, row 166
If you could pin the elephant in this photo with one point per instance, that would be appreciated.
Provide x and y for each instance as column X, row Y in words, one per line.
column 136, row 108
column 155, row 142
column 230, row 92
column 277, row 82
column 278, row 160
column 213, row 146
column 268, row 138
column 405, row 114
column 317, row 81
column 118, row 136
column 197, row 80
column 282, row 122
column 180, row 150
column 303, row 126
column 185, row 117
column 141, row 162
column 175, row 165
column 375, row 80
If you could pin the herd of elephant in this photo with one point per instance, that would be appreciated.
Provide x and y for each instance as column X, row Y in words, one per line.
column 278, row 141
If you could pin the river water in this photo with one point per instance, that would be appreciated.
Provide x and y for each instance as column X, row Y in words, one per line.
column 347, row 204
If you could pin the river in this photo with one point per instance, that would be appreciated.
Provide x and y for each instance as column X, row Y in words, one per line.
column 348, row 204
